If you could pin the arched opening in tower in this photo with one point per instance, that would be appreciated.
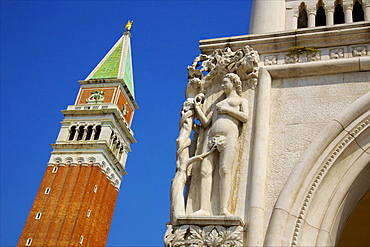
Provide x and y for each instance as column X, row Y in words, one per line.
column 72, row 133
column 358, row 12
column 320, row 17
column 338, row 14
column 302, row 18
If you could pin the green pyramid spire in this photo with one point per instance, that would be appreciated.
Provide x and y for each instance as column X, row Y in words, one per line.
column 109, row 68
column 116, row 64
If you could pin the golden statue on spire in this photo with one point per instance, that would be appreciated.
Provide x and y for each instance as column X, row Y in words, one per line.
column 128, row 25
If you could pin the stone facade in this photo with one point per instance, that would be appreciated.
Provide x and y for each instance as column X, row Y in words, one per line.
column 304, row 157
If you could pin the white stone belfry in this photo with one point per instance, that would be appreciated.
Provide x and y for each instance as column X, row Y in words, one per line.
column 267, row 16
column 285, row 161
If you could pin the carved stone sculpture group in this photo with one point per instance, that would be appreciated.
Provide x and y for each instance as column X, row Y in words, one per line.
column 211, row 123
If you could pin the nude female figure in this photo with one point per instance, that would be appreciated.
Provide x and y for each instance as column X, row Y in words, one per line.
column 222, row 136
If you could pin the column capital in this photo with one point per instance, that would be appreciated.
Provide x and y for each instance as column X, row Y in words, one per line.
column 347, row 6
column 329, row 8
column 311, row 10
column 296, row 13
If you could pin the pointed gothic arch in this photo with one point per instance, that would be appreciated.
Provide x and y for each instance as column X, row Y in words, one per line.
column 302, row 17
column 325, row 187
column 320, row 18
column 338, row 12
column 358, row 12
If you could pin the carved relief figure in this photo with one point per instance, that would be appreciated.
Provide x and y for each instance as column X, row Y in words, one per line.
column 222, row 136
column 96, row 97
column 193, row 91
column 211, row 129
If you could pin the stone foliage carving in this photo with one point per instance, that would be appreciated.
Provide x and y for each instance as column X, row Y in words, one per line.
column 313, row 56
column 336, row 53
column 294, row 58
column 329, row 8
column 208, row 236
column 359, row 51
column 213, row 114
column 270, row 60
column 308, row 56
column 243, row 62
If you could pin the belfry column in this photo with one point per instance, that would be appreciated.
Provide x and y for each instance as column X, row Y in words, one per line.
column 311, row 17
column 366, row 7
column 267, row 16
column 348, row 12
column 329, row 15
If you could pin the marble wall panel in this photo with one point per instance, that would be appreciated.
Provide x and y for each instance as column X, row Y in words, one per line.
column 300, row 109
column 301, row 135
column 286, row 112
column 320, row 110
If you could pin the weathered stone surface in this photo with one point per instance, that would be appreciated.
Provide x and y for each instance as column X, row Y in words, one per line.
column 310, row 113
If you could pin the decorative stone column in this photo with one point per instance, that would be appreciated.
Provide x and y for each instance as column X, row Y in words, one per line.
column 366, row 6
column 311, row 17
column 295, row 18
column 329, row 15
column 348, row 7
column 256, row 213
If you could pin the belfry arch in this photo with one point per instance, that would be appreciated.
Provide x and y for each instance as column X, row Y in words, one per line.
column 358, row 12
column 320, row 18
column 327, row 184
column 302, row 18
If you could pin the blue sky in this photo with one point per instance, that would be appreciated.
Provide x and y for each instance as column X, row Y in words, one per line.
column 47, row 46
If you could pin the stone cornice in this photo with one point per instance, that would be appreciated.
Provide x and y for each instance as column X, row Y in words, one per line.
column 112, row 81
column 356, row 64
column 88, row 160
column 91, row 147
column 211, row 220
column 338, row 35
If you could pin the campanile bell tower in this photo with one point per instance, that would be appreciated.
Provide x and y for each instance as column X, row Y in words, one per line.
column 75, row 202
